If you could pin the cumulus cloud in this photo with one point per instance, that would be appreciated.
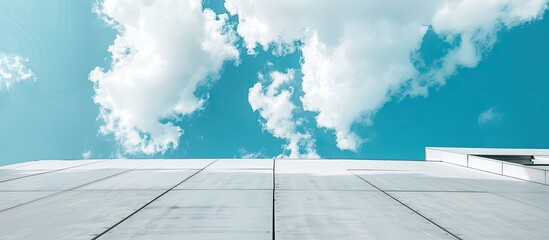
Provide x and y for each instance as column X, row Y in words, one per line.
column 243, row 153
column 474, row 25
column 357, row 55
column 14, row 69
column 163, row 52
column 488, row 116
column 273, row 102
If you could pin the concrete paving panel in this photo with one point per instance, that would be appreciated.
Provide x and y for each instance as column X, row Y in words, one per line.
column 202, row 214
column 118, row 164
column 479, row 215
column 334, row 180
column 38, row 167
column 447, row 178
column 348, row 215
column 17, row 165
column 141, row 180
column 49, row 165
column 57, row 181
column 179, row 164
column 230, row 179
column 11, row 199
column 12, row 174
column 391, row 165
column 417, row 181
column 242, row 164
column 309, row 166
column 540, row 200
column 71, row 215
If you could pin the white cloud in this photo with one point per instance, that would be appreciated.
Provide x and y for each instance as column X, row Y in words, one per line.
column 357, row 54
column 273, row 102
column 163, row 52
column 87, row 154
column 488, row 116
column 475, row 24
column 14, row 69
column 243, row 153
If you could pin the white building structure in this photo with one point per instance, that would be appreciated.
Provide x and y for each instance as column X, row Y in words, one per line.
column 457, row 193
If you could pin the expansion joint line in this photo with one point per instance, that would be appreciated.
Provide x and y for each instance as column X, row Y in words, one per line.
column 413, row 210
column 274, row 200
column 148, row 203
column 70, row 189
column 56, row 170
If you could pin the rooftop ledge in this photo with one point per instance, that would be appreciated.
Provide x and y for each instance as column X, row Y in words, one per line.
column 460, row 193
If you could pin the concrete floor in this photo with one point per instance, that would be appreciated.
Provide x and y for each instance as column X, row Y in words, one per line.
column 266, row 199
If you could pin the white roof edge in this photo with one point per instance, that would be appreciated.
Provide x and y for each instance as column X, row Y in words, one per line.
column 491, row 151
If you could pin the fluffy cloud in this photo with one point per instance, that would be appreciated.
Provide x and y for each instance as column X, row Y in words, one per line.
column 273, row 102
column 243, row 153
column 358, row 54
column 488, row 116
column 163, row 52
column 474, row 24
column 13, row 69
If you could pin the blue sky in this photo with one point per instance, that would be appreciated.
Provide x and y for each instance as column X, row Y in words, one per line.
column 202, row 100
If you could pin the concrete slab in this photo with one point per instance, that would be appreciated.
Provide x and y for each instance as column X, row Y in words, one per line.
column 11, row 199
column 447, row 177
column 57, row 181
column 71, row 215
column 179, row 164
column 540, row 200
column 6, row 175
column 335, row 180
column 242, row 164
column 48, row 165
column 230, row 179
column 17, row 165
column 315, row 199
column 11, row 172
column 479, row 215
column 141, row 180
column 202, row 214
column 348, row 215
